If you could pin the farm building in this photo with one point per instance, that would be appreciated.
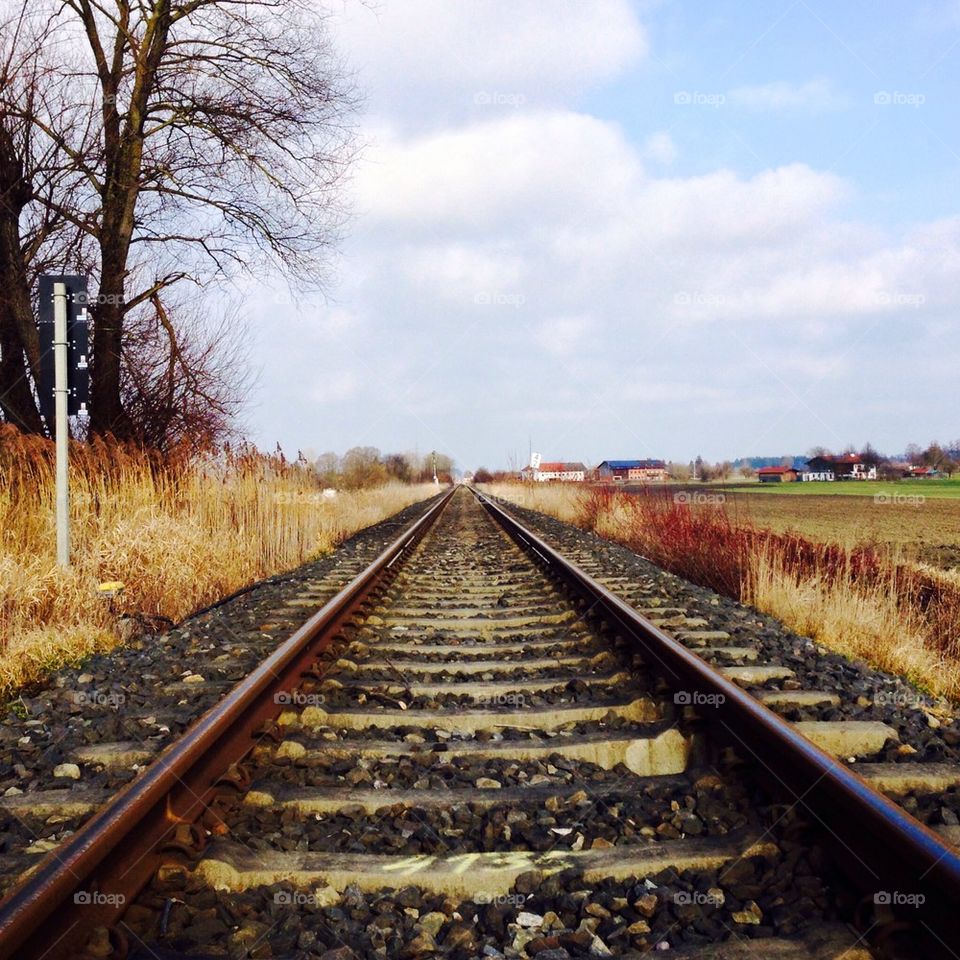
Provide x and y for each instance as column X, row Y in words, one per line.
column 636, row 471
column 568, row 472
column 847, row 466
column 776, row 475
column 924, row 473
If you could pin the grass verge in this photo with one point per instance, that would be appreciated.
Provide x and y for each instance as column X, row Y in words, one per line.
column 860, row 600
column 179, row 532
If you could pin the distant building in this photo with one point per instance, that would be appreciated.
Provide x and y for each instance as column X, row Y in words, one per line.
column 924, row 473
column 632, row 471
column 847, row 466
column 555, row 470
column 777, row 475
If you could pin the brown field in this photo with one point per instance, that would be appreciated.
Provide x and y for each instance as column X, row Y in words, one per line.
column 928, row 532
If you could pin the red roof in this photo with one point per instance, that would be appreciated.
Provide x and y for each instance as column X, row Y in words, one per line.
column 841, row 458
column 774, row 470
column 557, row 467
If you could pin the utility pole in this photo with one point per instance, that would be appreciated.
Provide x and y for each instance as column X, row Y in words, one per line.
column 62, row 429
column 436, row 479
column 64, row 379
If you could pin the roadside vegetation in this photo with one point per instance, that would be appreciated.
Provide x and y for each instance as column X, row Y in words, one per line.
column 860, row 600
column 180, row 531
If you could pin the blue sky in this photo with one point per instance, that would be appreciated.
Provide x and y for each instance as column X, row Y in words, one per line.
column 623, row 229
column 801, row 82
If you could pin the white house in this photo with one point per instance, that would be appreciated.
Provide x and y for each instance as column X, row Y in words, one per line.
column 555, row 470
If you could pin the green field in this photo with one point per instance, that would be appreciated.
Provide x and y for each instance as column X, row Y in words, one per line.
column 939, row 488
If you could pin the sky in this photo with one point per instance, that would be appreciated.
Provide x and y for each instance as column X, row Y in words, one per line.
column 616, row 229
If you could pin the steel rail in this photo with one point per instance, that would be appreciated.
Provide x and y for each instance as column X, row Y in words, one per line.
column 87, row 881
column 892, row 858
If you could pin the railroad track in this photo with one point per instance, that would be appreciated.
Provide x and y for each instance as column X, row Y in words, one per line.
column 476, row 749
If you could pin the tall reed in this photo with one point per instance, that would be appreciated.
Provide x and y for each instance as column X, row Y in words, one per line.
column 859, row 600
column 179, row 531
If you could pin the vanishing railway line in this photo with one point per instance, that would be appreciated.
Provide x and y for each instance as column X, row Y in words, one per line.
column 476, row 749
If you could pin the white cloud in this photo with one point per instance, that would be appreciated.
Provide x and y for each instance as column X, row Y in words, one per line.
column 562, row 335
column 539, row 261
column 660, row 148
column 534, row 167
column 335, row 387
column 814, row 96
column 461, row 272
column 424, row 60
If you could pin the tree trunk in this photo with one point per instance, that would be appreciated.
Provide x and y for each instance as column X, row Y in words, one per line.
column 19, row 342
column 106, row 409
column 16, row 398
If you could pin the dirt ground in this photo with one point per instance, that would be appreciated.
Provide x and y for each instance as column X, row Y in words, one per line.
column 927, row 530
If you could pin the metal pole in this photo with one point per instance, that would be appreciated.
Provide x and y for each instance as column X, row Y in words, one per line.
column 62, row 429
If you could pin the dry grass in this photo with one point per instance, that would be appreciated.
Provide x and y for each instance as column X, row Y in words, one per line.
column 869, row 622
column 180, row 534
column 861, row 601
column 565, row 501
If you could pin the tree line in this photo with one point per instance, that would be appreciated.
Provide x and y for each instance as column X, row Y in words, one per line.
column 362, row 467
column 164, row 148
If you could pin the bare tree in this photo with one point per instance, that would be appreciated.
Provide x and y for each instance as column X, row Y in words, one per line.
column 361, row 467
column 33, row 236
column 185, row 142
column 184, row 380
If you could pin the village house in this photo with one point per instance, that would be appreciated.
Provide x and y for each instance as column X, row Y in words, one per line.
column 777, row 475
column 632, row 471
column 847, row 466
column 556, row 470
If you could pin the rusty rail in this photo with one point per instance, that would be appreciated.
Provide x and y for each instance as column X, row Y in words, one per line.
column 883, row 850
column 86, row 882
